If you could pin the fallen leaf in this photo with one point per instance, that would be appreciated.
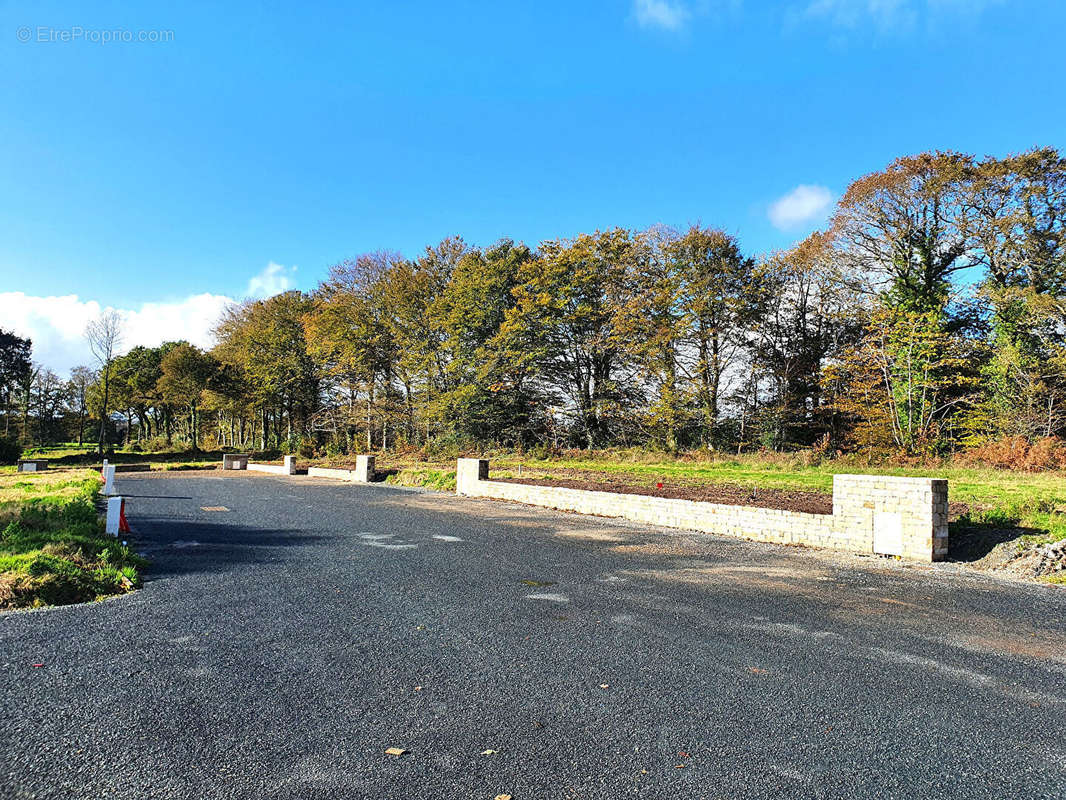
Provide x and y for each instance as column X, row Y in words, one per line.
column 756, row 671
column 38, row 665
column 605, row 686
column 418, row 688
column 394, row 751
column 679, row 766
column 488, row 752
column 683, row 754
column 503, row 797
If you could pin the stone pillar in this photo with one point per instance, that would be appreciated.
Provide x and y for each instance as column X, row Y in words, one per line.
column 364, row 469
column 234, row 461
column 290, row 465
column 905, row 517
column 468, row 471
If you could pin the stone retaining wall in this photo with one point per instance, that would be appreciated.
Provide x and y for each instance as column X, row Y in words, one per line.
column 363, row 472
column 906, row 517
column 288, row 468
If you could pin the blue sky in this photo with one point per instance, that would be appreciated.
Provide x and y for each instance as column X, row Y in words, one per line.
column 260, row 138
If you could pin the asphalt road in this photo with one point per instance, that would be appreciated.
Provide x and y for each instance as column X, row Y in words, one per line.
column 281, row 645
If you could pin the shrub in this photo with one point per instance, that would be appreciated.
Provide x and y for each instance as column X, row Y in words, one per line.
column 10, row 450
column 1019, row 453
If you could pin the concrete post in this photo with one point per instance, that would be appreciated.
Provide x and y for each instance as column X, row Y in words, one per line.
column 468, row 471
column 290, row 465
column 364, row 469
column 114, row 514
column 109, row 480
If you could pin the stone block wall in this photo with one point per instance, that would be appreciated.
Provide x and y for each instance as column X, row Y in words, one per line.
column 871, row 513
column 288, row 468
column 363, row 473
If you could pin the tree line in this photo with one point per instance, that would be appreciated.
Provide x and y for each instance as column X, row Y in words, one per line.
column 929, row 316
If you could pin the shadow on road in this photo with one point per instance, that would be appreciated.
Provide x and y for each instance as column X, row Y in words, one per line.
column 178, row 546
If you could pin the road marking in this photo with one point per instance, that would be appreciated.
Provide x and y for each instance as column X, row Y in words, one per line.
column 381, row 540
column 213, row 508
column 443, row 538
column 550, row 596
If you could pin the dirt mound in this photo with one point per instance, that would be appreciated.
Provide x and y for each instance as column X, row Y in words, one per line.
column 1026, row 560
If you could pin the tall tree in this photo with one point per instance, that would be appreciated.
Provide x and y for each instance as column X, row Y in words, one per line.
column 724, row 295
column 906, row 229
column 15, row 368
column 104, row 335
column 567, row 309
column 187, row 372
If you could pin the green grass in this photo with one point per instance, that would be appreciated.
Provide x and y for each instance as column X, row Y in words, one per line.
column 441, row 480
column 53, row 549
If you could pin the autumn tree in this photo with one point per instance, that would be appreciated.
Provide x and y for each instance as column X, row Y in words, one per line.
column 485, row 395
column 351, row 342
column 186, row 373
column 265, row 341
column 906, row 229
column 566, row 312
column 810, row 313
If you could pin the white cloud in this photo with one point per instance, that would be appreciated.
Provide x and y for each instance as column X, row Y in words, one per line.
column 806, row 203
column 274, row 279
column 665, row 14
column 56, row 324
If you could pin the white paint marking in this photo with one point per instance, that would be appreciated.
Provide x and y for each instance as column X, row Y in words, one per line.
column 554, row 598
column 442, row 538
column 381, row 540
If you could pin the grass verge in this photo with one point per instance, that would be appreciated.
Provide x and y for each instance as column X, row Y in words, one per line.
column 53, row 549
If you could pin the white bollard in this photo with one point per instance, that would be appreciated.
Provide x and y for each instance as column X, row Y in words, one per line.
column 109, row 480
column 114, row 514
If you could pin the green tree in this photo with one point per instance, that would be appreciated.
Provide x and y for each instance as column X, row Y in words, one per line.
column 565, row 317
column 187, row 372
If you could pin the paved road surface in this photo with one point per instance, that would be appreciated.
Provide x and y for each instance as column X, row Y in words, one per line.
column 281, row 645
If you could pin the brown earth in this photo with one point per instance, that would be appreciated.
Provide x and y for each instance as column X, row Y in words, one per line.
column 723, row 493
